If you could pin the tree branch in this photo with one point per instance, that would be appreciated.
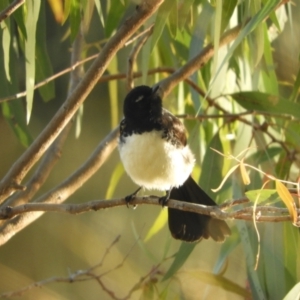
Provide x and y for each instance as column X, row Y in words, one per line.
column 21, row 167
column 61, row 192
column 263, row 213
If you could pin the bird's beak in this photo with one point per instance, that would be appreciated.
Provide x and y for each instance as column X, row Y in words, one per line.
column 155, row 89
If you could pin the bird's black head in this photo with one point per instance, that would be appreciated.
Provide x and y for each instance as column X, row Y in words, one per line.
column 142, row 104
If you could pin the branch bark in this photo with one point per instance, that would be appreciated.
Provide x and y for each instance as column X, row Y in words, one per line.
column 262, row 213
column 10, row 9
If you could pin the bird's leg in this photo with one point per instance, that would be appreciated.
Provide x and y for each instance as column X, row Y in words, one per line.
column 129, row 198
column 163, row 200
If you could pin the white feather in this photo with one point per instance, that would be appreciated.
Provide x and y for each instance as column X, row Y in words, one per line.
column 154, row 163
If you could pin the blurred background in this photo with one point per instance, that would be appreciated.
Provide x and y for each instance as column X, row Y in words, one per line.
column 60, row 244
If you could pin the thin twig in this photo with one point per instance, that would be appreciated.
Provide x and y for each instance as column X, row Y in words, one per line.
column 133, row 55
column 49, row 79
column 79, row 275
column 10, row 9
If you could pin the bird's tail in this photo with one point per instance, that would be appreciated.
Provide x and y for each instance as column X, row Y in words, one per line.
column 189, row 226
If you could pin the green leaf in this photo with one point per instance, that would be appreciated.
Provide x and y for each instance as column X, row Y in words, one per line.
column 114, row 180
column 78, row 121
column 196, row 45
column 292, row 133
column 262, row 195
column 283, row 166
column 173, row 19
column 14, row 114
column 114, row 16
column 217, row 33
column 272, row 256
column 259, row 17
column 264, row 155
column 296, row 88
column 181, row 256
column 250, row 246
column 6, row 38
column 75, row 18
column 291, row 253
column 161, row 19
column 19, row 17
column 33, row 9
column 185, row 7
column 294, row 293
column 159, row 223
column 67, row 9
column 227, row 11
column 43, row 63
column 267, row 103
column 211, row 173
column 227, row 247
column 270, row 79
column 99, row 11
column 220, row 281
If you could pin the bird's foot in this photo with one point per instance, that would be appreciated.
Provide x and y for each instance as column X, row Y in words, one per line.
column 130, row 197
column 164, row 200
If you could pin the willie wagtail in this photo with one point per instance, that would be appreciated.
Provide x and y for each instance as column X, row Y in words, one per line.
column 154, row 151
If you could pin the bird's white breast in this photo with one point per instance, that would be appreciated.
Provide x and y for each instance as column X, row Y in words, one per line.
column 154, row 163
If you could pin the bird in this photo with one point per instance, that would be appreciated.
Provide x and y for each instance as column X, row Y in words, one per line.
column 154, row 151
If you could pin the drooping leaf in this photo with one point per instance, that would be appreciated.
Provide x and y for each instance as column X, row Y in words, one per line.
column 158, row 224
column 269, row 76
column 57, row 10
column 180, row 258
column 173, row 19
column 114, row 180
column 6, row 38
column 75, row 18
column 227, row 11
column 212, row 165
column 19, row 17
column 296, row 88
column 161, row 19
column 283, row 166
column 15, row 116
column 185, row 10
column 217, row 33
column 294, row 293
column 113, row 17
column 245, row 176
column 288, row 200
column 255, row 21
column 100, row 12
column 272, row 257
column 43, row 63
column 249, row 245
column 227, row 247
column 267, row 103
column 291, row 253
column 220, row 281
column 33, row 9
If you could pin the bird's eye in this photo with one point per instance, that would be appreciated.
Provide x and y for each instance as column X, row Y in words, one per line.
column 139, row 98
